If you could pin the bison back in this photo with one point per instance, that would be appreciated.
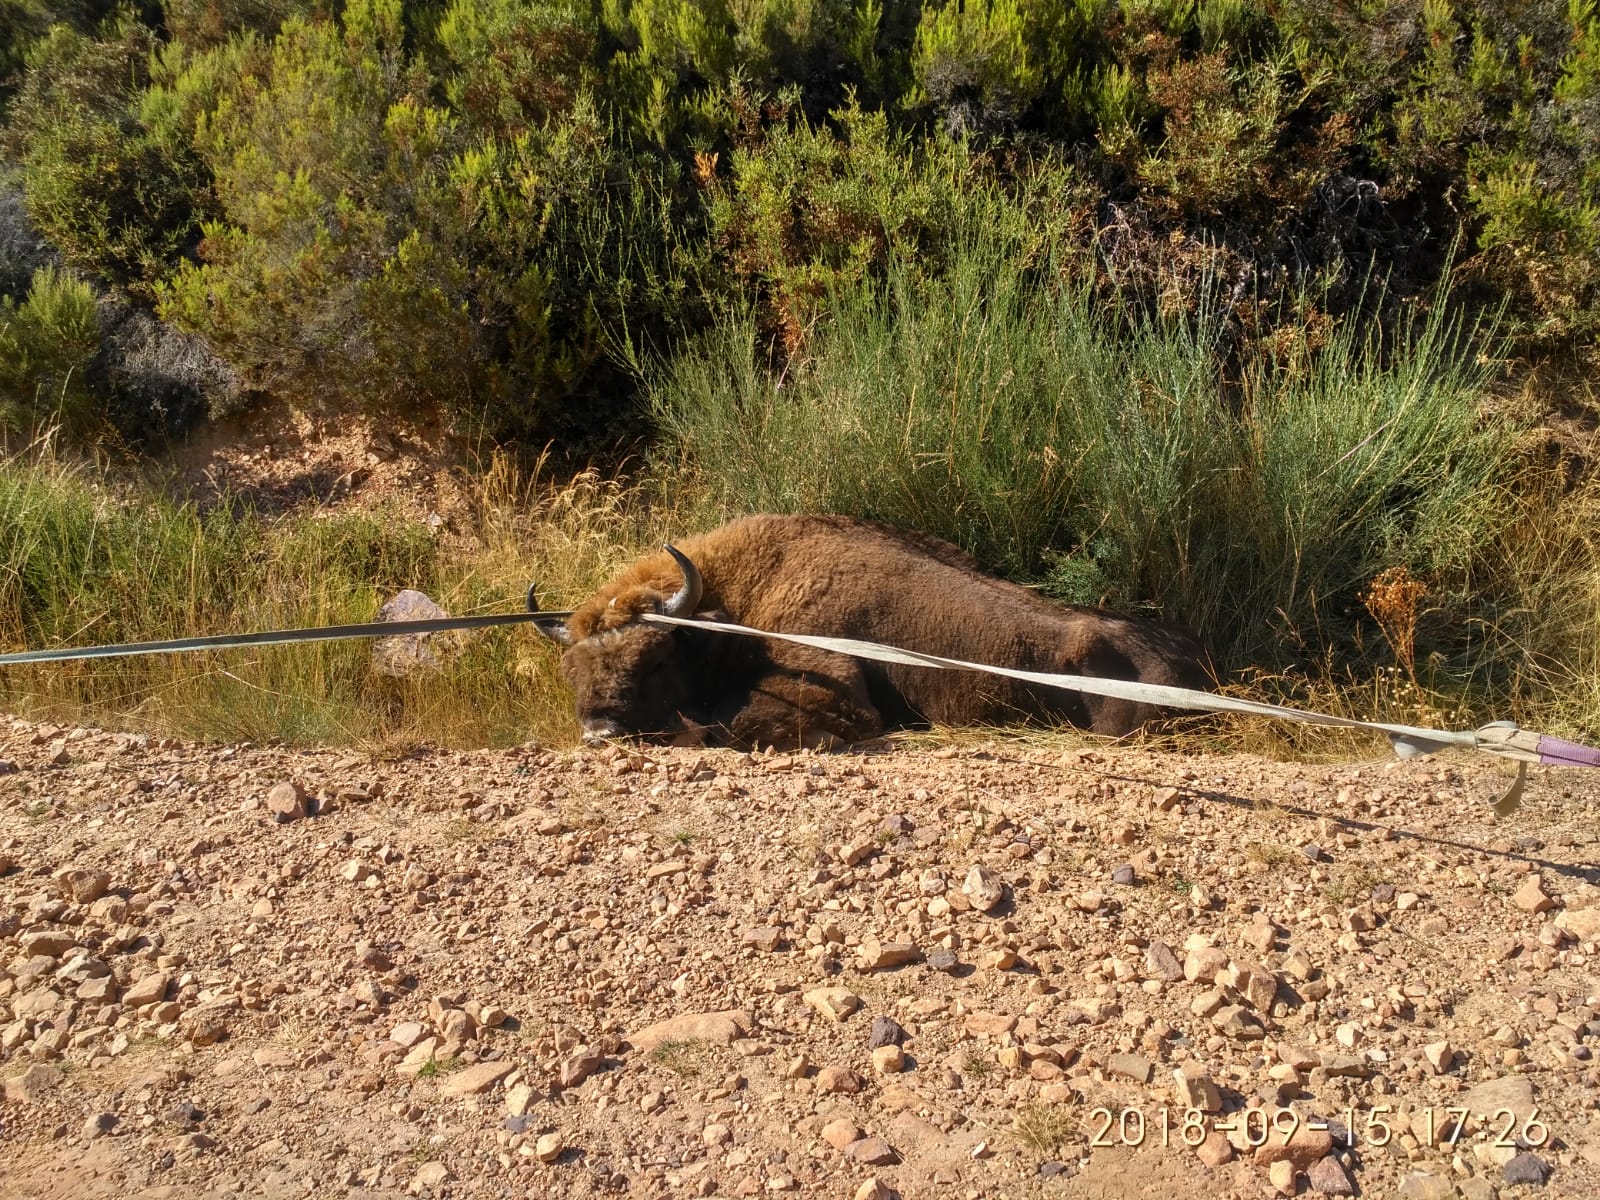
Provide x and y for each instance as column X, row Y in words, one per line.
column 835, row 576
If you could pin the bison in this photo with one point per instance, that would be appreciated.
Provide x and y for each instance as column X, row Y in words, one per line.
column 841, row 577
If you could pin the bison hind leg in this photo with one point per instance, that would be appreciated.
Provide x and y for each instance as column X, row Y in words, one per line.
column 803, row 710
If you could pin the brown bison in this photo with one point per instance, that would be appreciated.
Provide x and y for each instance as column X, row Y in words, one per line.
column 840, row 577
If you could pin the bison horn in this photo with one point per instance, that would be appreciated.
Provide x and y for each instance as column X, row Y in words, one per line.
column 683, row 602
column 554, row 627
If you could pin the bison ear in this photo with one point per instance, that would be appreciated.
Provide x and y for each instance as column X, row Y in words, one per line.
column 553, row 626
column 682, row 603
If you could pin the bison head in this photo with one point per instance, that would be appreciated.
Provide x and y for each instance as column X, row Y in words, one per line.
column 630, row 677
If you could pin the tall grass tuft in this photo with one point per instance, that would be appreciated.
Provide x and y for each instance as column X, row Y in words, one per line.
column 81, row 564
column 1116, row 457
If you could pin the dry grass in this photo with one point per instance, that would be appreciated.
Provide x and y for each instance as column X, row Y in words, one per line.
column 1269, row 854
column 685, row 1058
column 1045, row 1130
column 79, row 564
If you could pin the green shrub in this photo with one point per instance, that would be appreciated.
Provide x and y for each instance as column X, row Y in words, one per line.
column 670, row 66
column 47, row 343
column 985, row 56
column 509, row 67
column 807, row 209
column 1100, row 451
column 492, row 260
column 120, row 200
column 202, row 24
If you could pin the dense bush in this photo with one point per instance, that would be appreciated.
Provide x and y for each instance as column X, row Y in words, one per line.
column 119, row 196
column 1145, row 301
column 492, row 206
column 47, row 342
column 1102, row 454
column 380, row 248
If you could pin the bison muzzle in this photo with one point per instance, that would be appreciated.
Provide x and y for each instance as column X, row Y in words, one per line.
column 841, row 577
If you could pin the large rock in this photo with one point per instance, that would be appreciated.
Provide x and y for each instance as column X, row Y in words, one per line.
column 882, row 956
column 477, row 1078
column 835, row 1003
column 1303, row 1148
column 32, row 1083
column 578, row 1066
column 872, row 1151
column 1133, row 1066
column 152, row 989
column 49, row 943
column 286, row 801
column 1328, row 1177
column 38, row 1003
column 983, row 888
column 1527, row 1170
column 1161, row 963
column 719, row 1028
column 1581, row 923
column 1513, row 1092
column 1530, row 896
column 1238, row 1022
column 1194, row 1088
column 413, row 653
column 84, row 885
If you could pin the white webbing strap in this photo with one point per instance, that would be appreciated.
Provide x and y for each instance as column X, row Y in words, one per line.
column 1502, row 738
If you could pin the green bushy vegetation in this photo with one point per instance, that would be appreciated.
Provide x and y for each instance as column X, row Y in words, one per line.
column 47, row 341
column 1102, row 454
column 494, row 206
column 1199, row 308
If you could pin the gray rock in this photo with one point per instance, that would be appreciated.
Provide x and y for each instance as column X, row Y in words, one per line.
column 412, row 653
column 941, row 959
column 1161, row 963
column 1133, row 1066
column 1328, row 1177
column 1527, row 1168
column 886, row 1031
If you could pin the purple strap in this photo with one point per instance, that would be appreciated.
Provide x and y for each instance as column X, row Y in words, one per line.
column 1553, row 752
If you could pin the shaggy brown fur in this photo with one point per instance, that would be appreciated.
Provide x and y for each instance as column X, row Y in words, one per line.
column 847, row 578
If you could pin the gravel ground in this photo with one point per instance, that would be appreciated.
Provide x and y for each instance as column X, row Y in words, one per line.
column 964, row 972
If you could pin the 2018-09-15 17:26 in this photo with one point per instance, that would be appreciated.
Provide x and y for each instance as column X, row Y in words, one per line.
column 1130, row 1127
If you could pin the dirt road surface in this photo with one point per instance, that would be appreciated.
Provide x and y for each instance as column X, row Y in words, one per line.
column 984, row 971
